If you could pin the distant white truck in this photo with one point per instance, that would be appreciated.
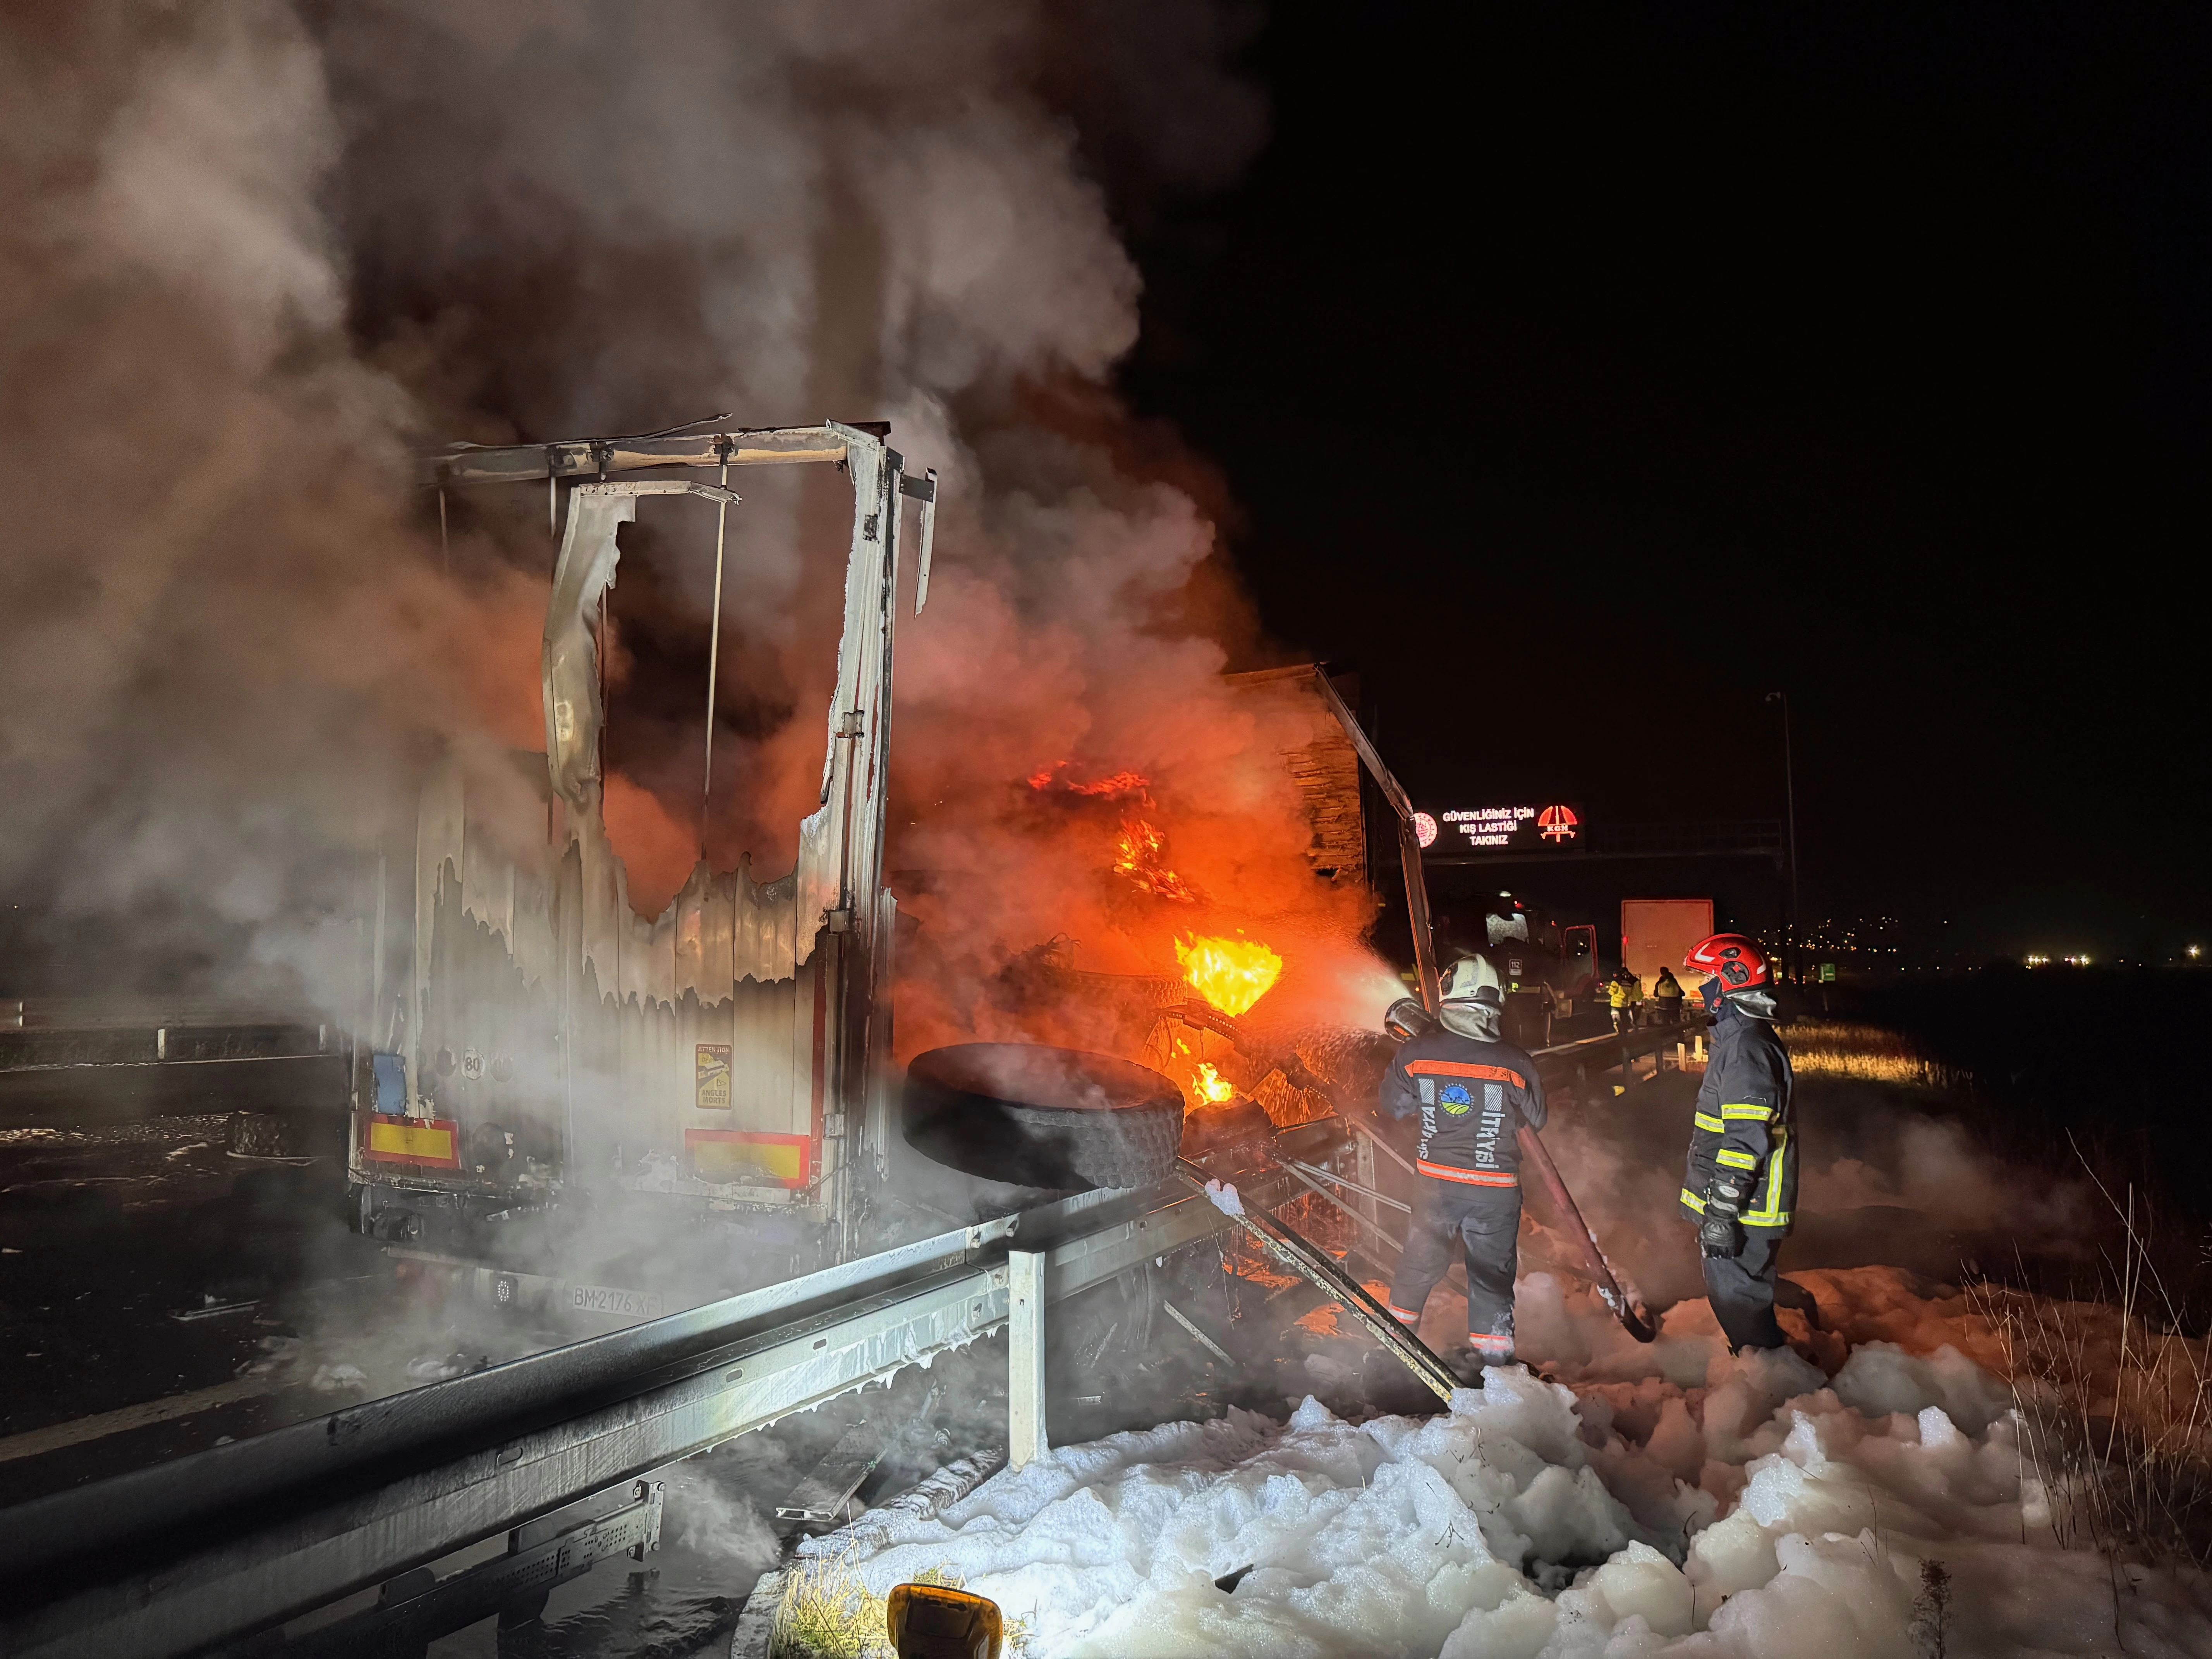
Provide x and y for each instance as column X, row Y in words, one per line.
column 1657, row 934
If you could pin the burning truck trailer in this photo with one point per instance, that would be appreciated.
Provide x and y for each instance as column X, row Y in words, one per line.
column 575, row 1108
column 571, row 1107
column 573, row 1104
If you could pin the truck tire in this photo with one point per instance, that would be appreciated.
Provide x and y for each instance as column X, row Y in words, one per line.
column 1039, row 1117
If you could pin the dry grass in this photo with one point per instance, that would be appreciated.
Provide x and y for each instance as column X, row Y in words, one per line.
column 1909, row 1071
column 1866, row 1052
column 2115, row 1408
column 827, row 1613
column 1840, row 1034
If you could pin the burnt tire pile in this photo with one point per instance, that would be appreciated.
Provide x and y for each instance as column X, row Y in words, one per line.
column 1032, row 1116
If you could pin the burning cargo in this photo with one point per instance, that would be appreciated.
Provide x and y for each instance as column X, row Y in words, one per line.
column 593, row 1098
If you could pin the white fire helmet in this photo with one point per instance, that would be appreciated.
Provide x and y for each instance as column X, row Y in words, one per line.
column 1473, row 980
column 1474, row 1002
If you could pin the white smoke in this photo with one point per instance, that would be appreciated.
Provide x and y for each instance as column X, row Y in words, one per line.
column 255, row 253
column 208, row 658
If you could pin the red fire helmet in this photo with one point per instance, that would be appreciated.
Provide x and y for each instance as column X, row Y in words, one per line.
column 1739, row 964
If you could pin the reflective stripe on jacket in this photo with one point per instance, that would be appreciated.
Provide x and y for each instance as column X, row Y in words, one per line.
column 1743, row 1123
column 1472, row 1098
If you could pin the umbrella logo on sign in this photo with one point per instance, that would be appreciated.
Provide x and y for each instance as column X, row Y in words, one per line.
column 1558, row 822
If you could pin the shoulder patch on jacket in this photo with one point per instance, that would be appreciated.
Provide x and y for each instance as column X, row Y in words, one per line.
column 1461, row 1068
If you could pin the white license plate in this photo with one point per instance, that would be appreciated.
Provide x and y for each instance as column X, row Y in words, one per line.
column 605, row 1299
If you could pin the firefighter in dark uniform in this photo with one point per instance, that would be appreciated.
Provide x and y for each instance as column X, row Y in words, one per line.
column 1742, row 1176
column 1473, row 1093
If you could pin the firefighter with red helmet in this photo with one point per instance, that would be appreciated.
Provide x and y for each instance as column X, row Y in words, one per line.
column 1743, row 1174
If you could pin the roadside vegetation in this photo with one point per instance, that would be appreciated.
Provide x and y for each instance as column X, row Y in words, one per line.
column 2096, row 1078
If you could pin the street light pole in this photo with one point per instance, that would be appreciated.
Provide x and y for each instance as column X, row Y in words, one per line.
column 1789, row 799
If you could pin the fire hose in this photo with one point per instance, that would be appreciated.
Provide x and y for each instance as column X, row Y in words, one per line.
column 1626, row 1307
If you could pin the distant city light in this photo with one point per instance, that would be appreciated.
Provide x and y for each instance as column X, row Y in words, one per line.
column 2038, row 961
column 2195, row 952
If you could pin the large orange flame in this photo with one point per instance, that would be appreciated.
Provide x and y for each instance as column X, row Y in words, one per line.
column 1232, row 974
column 1210, row 1086
column 1141, row 854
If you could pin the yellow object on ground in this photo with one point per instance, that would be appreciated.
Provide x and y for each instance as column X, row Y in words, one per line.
column 930, row 1621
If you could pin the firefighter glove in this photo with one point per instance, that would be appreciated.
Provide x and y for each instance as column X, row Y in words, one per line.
column 1719, row 1235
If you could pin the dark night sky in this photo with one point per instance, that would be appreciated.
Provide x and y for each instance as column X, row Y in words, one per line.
column 1584, row 372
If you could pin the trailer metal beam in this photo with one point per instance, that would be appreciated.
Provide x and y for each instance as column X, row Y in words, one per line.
column 596, row 458
column 1409, row 840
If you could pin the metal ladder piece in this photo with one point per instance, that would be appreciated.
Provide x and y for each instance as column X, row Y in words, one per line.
column 1285, row 1244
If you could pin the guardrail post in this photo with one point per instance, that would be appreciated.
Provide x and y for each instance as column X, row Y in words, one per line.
column 1025, row 1426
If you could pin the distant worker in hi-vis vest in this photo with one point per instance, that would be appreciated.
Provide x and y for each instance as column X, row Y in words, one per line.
column 1473, row 1093
column 1622, row 992
column 1742, row 1176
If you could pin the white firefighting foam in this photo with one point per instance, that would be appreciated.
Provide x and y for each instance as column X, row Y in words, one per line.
column 1661, row 1500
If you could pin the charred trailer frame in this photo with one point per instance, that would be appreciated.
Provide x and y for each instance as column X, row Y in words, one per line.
column 730, row 1051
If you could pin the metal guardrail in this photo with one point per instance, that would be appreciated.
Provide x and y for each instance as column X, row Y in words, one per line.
column 412, row 1615
column 59, row 1048
column 213, row 1546
column 1637, row 1040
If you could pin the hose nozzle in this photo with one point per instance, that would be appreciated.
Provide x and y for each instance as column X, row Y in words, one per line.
column 1406, row 1018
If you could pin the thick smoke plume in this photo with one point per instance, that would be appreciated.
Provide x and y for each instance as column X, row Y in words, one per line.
column 257, row 254
column 222, row 636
